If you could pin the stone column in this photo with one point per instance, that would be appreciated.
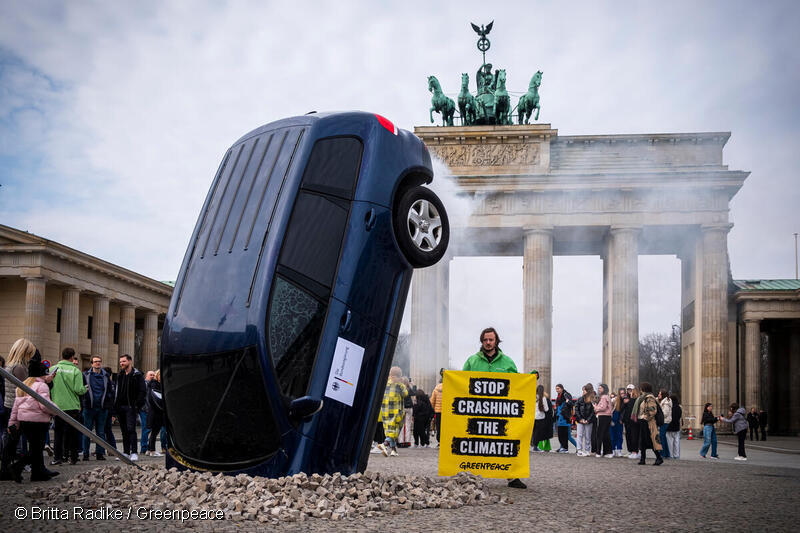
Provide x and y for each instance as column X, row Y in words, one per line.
column 127, row 325
column 100, row 327
column 623, row 254
column 70, row 317
column 714, row 323
column 794, row 381
column 34, row 310
column 430, row 331
column 149, row 343
column 752, row 363
column 537, row 286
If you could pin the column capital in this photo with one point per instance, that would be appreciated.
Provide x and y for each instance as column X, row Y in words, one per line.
column 35, row 278
column 100, row 298
column 625, row 229
column 751, row 319
column 534, row 230
column 709, row 228
column 127, row 306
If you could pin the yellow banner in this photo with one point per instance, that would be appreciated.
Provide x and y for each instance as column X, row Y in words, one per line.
column 487, row 421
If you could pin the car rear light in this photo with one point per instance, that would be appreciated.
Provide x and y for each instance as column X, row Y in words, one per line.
column 386, row 123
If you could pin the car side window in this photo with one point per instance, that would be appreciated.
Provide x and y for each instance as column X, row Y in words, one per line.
column 294, row 326
column 333, row 166
column 314, row 237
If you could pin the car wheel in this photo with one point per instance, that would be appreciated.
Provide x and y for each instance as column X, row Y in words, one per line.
column 421, row 227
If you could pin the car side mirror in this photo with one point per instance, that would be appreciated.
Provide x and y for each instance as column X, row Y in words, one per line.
column 304, row 408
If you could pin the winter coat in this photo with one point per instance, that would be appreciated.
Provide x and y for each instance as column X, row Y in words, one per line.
column 762, row 419
column 21, row 373
column 603, row 407
column 28, row 409
column 666, row 408
column 436, row 398
column 752, row 420
column 478, row 362
column 627, row 410
column 87, row 400
column 584, row 411
column 738, row 420
column 134, row 392
column 68, row 386
column 677, row 413
column 548, row 419
column 540, row 414
column 422, row 410
column 708, row 418
column 564, row 417
column 392, row 411
column 648, row 408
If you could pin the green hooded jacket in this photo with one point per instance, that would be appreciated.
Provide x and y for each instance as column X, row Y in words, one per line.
column 479, row 363
column 68, row 386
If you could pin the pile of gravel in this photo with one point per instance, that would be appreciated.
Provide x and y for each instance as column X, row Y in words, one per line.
column 242, row 497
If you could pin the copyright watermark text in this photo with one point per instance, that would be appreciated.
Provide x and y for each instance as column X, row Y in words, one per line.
column 111, row 513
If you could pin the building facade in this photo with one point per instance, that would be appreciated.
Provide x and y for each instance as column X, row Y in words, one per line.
column 59, row 297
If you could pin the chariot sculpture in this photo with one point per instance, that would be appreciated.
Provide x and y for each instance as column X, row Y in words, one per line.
column 492, row 103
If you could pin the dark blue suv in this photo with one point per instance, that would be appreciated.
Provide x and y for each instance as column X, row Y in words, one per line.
column 282, row 326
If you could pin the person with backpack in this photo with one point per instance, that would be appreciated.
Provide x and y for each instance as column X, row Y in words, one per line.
column 563, row 418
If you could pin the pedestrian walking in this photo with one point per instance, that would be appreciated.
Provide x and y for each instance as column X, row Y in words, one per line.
column 737, row 418
column 490, row 358
column 616, row 423
column 393, row 411
column 648, row 413
column 752, row 422
column 709, row 431
column 604, row 411
column 584, row 413
column 674, row 428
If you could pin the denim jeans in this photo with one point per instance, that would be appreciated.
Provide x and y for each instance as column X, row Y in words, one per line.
column 145, row 430
column 709, row 439
column 94, row 419
column 662, row 432
column 585, row 437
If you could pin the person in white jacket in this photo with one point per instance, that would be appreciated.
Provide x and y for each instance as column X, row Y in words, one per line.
column 666, row 407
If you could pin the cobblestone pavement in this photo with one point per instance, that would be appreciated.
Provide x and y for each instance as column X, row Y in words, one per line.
column 564, row 492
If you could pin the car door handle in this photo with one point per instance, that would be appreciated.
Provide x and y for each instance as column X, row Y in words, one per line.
column 370, row 219
column 345, row 321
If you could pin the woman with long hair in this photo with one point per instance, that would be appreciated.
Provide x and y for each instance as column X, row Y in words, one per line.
column 674, row 428
column 709, row 431
column 584, row 413
column 648, row 428
column 631, row 421
column 666, row 407
column 21, row 353
column 541, row 419
column 603, row 411
column 32, row 419
column 155, row 412
column 616, row 423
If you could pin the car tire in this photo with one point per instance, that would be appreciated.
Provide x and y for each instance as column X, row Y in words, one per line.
column 421, row 227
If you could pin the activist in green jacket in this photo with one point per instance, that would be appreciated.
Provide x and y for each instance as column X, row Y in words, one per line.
column 68, row 386
column 479, row 362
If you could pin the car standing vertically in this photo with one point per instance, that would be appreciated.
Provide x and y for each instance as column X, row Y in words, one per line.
column 282, row 325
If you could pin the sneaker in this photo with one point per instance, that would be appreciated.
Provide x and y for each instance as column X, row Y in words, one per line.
column 539, row 450
column 563, row 450
column 375, row 449
column 55, row 462
column 393, row 453
column 740, row 458
column 533, row 449
column 703, row 456
column 134, row 457
column 156, row 454
column 384, row 451
column 49, row 450
column 598, row 455
column 609, row 456
column 715, row 456
column 634, row 456
column 517, row 484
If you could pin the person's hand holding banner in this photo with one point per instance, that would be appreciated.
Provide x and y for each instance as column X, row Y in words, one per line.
column 487, row 421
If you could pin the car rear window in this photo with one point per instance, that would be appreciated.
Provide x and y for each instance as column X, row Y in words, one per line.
column 333, row 166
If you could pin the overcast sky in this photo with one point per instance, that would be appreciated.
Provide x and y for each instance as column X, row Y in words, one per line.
column 114, row 116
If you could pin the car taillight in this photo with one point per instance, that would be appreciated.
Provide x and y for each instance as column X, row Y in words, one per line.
column 386, row 123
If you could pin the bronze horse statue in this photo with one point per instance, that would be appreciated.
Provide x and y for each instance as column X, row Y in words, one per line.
column 502, row 102
column 441, row 103
column 530, row 100
column 467, row 106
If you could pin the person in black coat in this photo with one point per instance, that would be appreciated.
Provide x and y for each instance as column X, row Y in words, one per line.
column 762, row 423
column 752, row 422
column 423, row 414
column 155, row 413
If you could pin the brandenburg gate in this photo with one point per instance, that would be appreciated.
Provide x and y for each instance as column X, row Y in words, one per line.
column 537, row 194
